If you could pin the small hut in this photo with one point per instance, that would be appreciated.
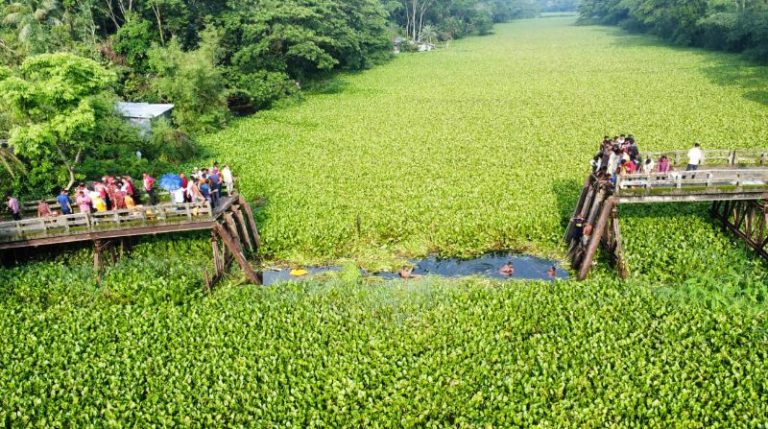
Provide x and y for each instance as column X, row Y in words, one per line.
column 141, row 115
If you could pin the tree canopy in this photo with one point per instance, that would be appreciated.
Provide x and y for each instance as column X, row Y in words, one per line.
column 736, row 26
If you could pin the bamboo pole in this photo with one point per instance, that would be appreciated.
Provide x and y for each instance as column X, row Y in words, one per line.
column 579, row 207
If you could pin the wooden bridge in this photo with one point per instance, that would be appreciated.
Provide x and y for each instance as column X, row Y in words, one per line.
column 736, row 183
column 234, row 233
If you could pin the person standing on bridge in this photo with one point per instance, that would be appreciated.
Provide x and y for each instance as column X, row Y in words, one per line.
column 63, row 200
column 43, row 209
column 84, row 202
column 214, row 183
column 229, row 180
column 648, row 166
column 663, row 164
column 695, row 158
column 13, row 206
column 149, row 182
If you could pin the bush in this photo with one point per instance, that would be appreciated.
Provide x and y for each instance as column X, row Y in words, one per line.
column 170, row 145
column 262, row 88
column 193, row 81
column 483, row 24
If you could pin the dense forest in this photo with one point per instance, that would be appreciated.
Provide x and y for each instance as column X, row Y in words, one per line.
column 727, row 25
column 65, row 62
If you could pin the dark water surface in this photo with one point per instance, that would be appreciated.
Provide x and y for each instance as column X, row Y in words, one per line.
column 526, row 268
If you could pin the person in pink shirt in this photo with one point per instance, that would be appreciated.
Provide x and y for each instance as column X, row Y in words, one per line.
column 14, row 206
column 149, row 181
column 128, row 187
column 84, row 202
column 663, row 165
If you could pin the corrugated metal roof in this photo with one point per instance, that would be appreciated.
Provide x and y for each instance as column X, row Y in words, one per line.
column 143, row 110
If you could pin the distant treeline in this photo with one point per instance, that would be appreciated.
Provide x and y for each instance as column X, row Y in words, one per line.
column 726, row 25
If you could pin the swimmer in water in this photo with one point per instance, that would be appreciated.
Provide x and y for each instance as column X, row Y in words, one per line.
column 552, row 272
column 507, row 270
column 406, row 272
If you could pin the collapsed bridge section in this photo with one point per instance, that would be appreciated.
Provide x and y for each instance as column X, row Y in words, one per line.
column 739, row 198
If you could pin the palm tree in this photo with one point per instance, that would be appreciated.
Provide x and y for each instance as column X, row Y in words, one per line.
column 9, row 161
column 30, row 18
column 428, row 34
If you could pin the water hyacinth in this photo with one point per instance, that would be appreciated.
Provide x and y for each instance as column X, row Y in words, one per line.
column 480, row 146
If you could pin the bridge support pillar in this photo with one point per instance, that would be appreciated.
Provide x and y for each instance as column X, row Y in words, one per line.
column 747, row 219
column 613, row 243
column 99, row 248
column 598, row 231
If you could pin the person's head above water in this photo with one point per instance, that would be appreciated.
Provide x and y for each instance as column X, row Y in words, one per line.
column 507, row 269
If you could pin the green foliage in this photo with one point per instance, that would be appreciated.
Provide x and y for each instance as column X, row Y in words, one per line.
column 193, row 81
column 260, row 89
column 467, row 150
column 57, row 102
column 244, row 55
column 458, row 152
column 133, row 41
column 456, row 19
column 170, row 145
column 714, row 24
column 342, row 354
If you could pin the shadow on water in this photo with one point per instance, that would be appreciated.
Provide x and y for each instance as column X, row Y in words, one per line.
column 489, row 265
column 721, row 68
column 749, row 77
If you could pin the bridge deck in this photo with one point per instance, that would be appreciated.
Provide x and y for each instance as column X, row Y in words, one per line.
column 738, row 195
column 147, row 220
column 691, row 186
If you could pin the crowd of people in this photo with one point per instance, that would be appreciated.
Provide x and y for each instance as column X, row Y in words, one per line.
column 620, row 156
column 121, row 193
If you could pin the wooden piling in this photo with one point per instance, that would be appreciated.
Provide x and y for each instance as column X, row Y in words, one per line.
column 247, row 236
column 251, row 222
column 234, row 248
column 594, row 243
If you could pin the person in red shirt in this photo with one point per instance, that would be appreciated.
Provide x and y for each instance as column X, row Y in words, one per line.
column 184, row 184
column 149, row 182
column 631, row 167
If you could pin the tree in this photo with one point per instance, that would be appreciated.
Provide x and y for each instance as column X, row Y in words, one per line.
column 193, row 81
column 429, row 34
column 33, row 21
column 10, row 163
column 56, row 102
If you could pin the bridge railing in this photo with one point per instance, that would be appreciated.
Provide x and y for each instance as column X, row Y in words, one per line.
column 82, row 223
column 692, row 181
column 716, row 157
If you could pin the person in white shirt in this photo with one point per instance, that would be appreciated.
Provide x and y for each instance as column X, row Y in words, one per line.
column 649, row 166
column 695, row 158
column 229, row 180
column 613, row 160
column 178, row 196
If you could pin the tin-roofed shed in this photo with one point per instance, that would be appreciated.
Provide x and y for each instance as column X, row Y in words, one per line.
column 142, row 114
